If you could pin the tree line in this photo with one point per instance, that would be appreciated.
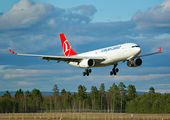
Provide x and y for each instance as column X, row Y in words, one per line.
column 118, row 98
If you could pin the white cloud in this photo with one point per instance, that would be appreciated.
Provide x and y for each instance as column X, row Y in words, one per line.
column 2, row 68
column 20, row 73
column 24, row 14
column 160, row 85
column 9, row 76
column 14, row 73
column 77, row 77
column 133, row 78
column 163, row 41
column 163, row 91
column 32, row 26
column 83, row 13
column 155, row 17
column 51, row 22
column 24, row 83
column 17, row 73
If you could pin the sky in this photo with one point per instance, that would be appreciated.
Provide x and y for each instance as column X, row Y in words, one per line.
column 33, row 27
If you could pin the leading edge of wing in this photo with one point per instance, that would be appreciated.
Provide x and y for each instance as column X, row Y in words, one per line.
column 159, row 51
column 62, row 58
column 71, row 58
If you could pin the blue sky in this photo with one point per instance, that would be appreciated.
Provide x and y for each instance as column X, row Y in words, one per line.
column 33, row 26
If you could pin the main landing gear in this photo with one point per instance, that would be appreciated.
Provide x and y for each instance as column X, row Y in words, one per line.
column 87, row 72
column 114, row 70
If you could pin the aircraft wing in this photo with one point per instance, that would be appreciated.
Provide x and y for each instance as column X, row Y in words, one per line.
column 134, row 57
column 159, row 51
column 62, row 58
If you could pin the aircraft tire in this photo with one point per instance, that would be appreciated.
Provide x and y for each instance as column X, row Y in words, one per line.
column 117, row 69
column 90, row 70
column 111, row 73
column 84, row 73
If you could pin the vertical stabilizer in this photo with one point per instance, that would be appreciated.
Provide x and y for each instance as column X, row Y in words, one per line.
column 68, row 51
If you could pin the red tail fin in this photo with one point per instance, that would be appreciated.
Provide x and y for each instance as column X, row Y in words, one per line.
column 68, row 51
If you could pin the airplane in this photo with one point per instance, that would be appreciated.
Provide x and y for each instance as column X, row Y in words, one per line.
column 98, row 58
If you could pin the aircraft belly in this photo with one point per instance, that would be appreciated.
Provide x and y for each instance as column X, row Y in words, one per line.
column 102, row 64
column 74, row 64
column 107, row 62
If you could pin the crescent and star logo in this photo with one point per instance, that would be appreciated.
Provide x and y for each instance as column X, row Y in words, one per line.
column 66, row 48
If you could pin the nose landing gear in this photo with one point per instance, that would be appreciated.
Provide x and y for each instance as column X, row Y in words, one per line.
column 87, row 72
column 114, row 70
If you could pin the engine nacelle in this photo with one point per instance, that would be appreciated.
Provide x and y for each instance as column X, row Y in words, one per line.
column 86, row 63
column 137, row 62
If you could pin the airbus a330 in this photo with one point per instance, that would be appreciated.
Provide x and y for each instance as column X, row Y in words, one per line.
column 129, row 52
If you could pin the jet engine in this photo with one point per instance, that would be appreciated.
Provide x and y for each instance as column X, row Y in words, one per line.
column 86, row 63
column 135, row 63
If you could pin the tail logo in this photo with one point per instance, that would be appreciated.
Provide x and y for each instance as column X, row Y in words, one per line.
column 68, row 51
column 66, row 48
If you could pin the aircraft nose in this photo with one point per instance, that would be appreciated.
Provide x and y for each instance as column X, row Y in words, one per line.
column 139, row 50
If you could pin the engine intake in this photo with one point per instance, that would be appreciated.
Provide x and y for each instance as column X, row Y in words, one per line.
column 137, row 62
column 86, row 63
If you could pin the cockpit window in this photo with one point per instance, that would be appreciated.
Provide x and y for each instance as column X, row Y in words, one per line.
column 135, row 46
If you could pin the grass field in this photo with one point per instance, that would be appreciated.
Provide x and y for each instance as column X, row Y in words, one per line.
column 82, row 116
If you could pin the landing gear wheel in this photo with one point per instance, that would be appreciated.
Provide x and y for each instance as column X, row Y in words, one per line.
column 117, row 69
column 114, row 70
column 84, row 73
column 111, row 73
column 87, row 72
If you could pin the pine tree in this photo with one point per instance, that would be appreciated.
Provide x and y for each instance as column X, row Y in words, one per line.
column 19, row 101
column 122, row 91
column 151, row 90
column 37, row 98
column 81, row 95
column 131, row 91
column 55, row 95
column 55, row 90
column 114, row 91
column 93, row 95
column 102, row 91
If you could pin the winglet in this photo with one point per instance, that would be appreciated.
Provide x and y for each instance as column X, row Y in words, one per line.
column 12, row 51
column 159, row 49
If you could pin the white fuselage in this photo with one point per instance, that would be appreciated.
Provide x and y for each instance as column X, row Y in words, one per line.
column 112, row 55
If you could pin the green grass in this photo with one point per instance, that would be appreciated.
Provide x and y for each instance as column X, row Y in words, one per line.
column 82, row 116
